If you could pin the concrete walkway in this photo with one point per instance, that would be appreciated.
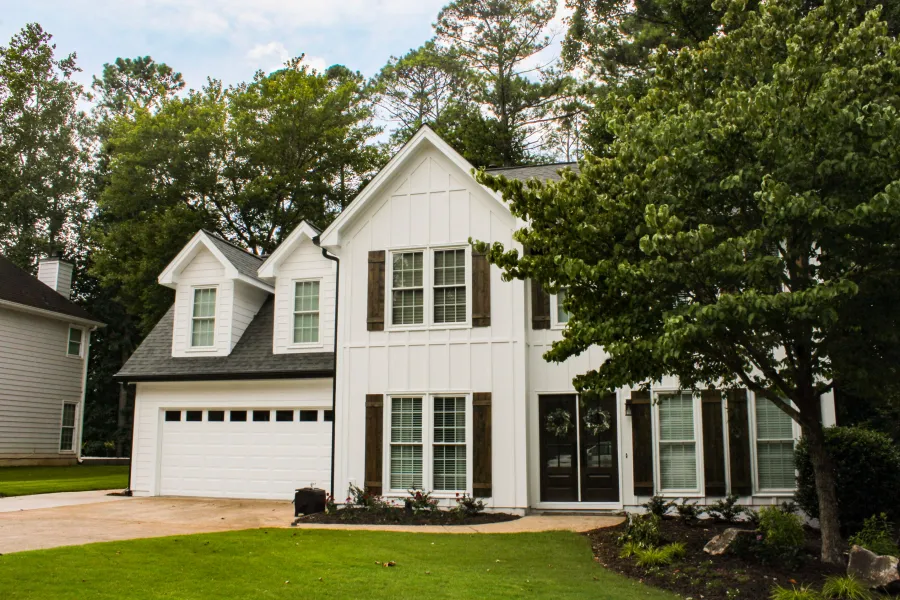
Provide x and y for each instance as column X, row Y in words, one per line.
column 114, row 518
column 17, row 503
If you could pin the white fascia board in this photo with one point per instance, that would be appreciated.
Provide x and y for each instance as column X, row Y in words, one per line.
column 330, row 238
column 50, row 314
column 169, row 276
column 284, row 250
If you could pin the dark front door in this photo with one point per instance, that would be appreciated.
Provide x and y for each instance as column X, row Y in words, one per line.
column 578, row 448
column 599, row 456
column 559, row 450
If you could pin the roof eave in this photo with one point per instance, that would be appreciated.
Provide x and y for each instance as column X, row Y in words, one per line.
column 51, row 314
column 237, row 376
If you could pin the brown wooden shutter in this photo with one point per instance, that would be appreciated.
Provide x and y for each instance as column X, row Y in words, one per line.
column 374, row 442
column 739, row 443
column 641, row 443
column 713, row 442
column 375, row 316
column 540, row 307
column 481, row 290
column 482, row 454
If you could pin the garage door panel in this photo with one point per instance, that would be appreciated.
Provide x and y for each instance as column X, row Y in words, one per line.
column 249, row 459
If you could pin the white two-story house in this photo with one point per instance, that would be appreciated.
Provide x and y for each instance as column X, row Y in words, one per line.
column 385, row 354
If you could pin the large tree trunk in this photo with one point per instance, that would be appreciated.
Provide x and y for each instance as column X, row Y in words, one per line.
column 826, row 490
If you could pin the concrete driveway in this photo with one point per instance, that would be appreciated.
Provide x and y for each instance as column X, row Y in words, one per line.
column 33, row 527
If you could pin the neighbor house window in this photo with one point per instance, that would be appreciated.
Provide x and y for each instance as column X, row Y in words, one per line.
column 67, row 434
column 407, row 288
column 774, row 447
column 677, row 445
column 406, row 443
column 74, row 348
column 449, row 444
column 306, row 312
column 562, row 315
column 450, row 286
column 203, row 318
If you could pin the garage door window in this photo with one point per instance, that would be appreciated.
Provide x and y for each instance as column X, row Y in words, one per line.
column 238, row 415
column 173, row 415
column 309, row 415
column 328, row 415
column 261, row 415
column 215, row 415
column 284, row 415
column 193, row 415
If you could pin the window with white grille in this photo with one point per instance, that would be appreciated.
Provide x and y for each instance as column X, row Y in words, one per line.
column 306, row 312
column 677, row 442
column 203, row 318
column 774, row 447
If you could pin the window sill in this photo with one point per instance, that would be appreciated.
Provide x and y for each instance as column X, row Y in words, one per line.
column 305, row 346
column 437, row 327
column 202, row 349
column 681, row 494
column 401, row 495
column 769, row 493
column 75, row 356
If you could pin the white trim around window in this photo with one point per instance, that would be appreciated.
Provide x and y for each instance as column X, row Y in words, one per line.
column 306, row 311
column 205, row 318
column 677, row 445
column 425, row 439
column 428, row 286
column 77, row 343
column 769, row 434
column 559, row 317
column 67, row 428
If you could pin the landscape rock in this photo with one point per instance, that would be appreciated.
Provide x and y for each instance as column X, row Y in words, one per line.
column 874, row 570
column 724, row 541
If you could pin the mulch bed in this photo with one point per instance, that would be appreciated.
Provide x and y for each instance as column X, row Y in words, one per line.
column 699, row 575
column 399, row 516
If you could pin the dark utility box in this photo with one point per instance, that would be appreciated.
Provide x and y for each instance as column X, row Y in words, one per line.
column 309, row 501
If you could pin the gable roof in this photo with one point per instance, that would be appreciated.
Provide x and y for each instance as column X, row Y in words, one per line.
column 284, row 249
column 549, row 172
column 331, row 236
column 18, row 287
column 238, row 263
column 251, row 357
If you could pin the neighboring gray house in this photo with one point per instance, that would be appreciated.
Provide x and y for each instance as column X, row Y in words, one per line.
column 44, row 343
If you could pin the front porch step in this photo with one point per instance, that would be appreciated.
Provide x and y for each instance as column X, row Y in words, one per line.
column 592, row 512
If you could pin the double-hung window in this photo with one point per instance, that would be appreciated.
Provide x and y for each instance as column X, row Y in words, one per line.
column 203, row 318
column 74, row 346
column 774, row 447
column 677, row 442
column 306, row 312
column 428, row 443
column 450, row 286
column 407, row 288
column 406, row 443
column 562, row 315
column 67, row 432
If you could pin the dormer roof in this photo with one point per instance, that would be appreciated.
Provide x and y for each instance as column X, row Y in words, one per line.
column 238, row 264
column 304, row 231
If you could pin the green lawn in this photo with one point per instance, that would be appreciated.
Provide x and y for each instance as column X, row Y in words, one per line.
column 22, row 481
column 284, row 563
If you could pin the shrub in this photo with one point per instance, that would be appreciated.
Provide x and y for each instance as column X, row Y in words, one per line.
column 629, row 549
column 643, row 530
column 677, row 550
column 330, row 505
column 689, row 511
column 727, row 510
column 363, row 498
column 877, row 535
column 867, row 470
column 421, row 502
column 847, row 587
column 783, row 536
column 657, row 505
column 804, row 592
column 467, row 506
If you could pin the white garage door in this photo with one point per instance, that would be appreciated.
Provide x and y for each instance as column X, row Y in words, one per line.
column 231, row 453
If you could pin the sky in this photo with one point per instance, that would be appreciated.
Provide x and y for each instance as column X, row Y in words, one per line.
column 229, row 39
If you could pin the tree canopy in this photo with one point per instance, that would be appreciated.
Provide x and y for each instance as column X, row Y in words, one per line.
column 745, row 204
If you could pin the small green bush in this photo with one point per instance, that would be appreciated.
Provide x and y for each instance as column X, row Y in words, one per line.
column 847, row 587
column 867, row 469
column 727, row 510
column 877, row 535
column 629, row 549
column 657, row 505
column 642, row 530
column 677, row 550
column 689, row 511
column 804, row 592
column 653, row 557
column 781, row 530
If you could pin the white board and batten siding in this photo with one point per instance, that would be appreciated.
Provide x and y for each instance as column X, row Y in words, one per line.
column 230, row 459
column 36, row 378
column 430, row 202
column 236, row 305
column 305, row 263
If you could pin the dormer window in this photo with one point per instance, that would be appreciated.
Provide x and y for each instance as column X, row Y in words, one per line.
column 203, row 318
column 306, row 312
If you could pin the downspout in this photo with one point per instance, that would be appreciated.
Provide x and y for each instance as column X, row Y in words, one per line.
column 337, row 283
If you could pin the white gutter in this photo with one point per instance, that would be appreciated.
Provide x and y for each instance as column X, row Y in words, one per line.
column 50, row 314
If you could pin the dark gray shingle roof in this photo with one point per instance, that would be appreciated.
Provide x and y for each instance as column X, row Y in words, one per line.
column 251, row 358
column 21, row 287
column 541, row 172
column 246, row 263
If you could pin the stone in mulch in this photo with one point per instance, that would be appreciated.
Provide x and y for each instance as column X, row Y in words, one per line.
column 875, row 570
column 726, row 541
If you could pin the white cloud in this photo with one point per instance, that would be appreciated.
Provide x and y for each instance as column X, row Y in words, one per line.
column 316, row 62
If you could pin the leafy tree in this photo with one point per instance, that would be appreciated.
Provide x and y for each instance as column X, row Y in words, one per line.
column 247, row 162
column 134, row 83
column 496, row 38
column 421, row 87
column 743, row 204
column 42, row 148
